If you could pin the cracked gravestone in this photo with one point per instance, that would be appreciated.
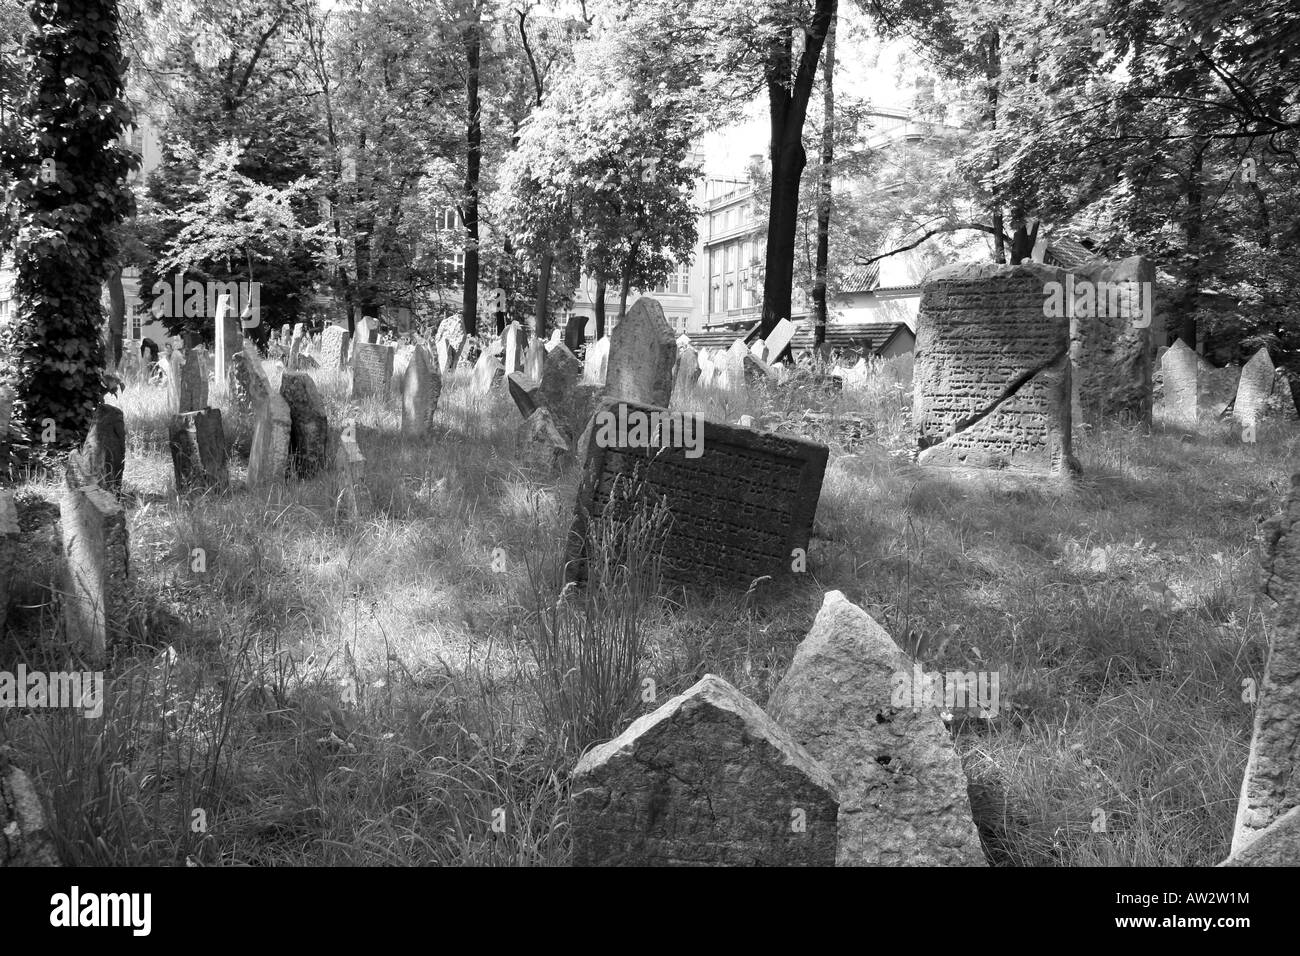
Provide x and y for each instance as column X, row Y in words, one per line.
column 992, row 372
column 903, row 793
column 707, row 779
column 1271, row 786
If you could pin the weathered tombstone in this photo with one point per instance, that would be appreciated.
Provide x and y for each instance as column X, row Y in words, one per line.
column 198, row 447
column 742, row 501
column 992, row 372
column 756, row 372
column 308, row 424
column 1178, row 368
column 708, row 779
column 1110, row 337
column 248, row 382
column 95, row 556
column 688, row 368
column 104, row 450
column 708, row 372
column 334, row 347
column 779, row 338
column 557, row 338
column 758, row 349
column 1271, row 786
column 372, row 369
column 642, row 351
column 1254, row 389
column 191, row 389
column 268, row 458
column 421, row 389
column 9, row 537
column 25, row 841
column 486, row 371
column 1276, row 845
column 350, row 468
column 228, row 337
column 594, row 362
column 540, row 440
column 903, row 797
column 444, row 355
column 367, row 329
column 524, row 392
column 514, row 345
column 561, row 391
column 401, row 359
column 731, row 375
column 535, row 359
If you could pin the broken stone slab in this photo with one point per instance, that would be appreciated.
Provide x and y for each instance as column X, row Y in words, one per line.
column 1276, row 845
column 642, row 351
column 96, row 568
column 707, row 779
column 1271, row 785
column 199, row 455
column 992, row 372
column 779, row 338
column 421, row 389
column 903, row 793
column 25, row 841
column 103, row 453
column 308, row 424
column 268, row 458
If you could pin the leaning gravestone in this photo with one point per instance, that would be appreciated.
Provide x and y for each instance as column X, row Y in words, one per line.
column 198, row 447
column 1178, row 368
column 334, row 347
column 191, row 389
column 903, row 798
column 524, row 392
column 742, row 501
column 268, row 458
column 248, row 382
column 1254, row 389
column 104, row 450
column 1110, row 338
column 95, row 556
column 562, row 392
column 372, row 369
column 486, row 371
column 25, row 841
column 308, row 424
column 992, row 372
column 708, row 779
column 779, row 338
column 594, row 362
column 229, row 336
column 539, row 439
column 421, row 389
column 1271, row 786
column 642, row 351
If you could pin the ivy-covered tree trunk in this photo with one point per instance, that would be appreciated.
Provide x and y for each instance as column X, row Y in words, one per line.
column 601, row 285
column 116, row 317
column 69, row 173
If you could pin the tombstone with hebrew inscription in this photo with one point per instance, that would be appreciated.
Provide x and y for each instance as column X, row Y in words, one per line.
column 372, row 369
column 992, row 373
column 742, row 501
column 334, row 347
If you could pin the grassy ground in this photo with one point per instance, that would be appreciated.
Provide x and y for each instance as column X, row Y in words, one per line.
column 410, row 685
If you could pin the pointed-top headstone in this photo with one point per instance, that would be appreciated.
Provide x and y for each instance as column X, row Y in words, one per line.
column 642, row 351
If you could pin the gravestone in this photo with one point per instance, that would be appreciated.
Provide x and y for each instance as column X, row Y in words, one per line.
column 992, row 373
column 561, row 390
column 903, row 797
column 334, row 347
column 349, row 468
column 444, row 355
column 401, row 359
column 248, row 382
column 1178, row 367
column 372, row 369
column 191, row 390
column 486, row 371
column 535, row 359
column 742, row 502
column 229, row 336
column 708, row 371
column 524, row 392
column 779, row 338
column 1276, row 845
column 25, row 840
column 104, row 450
column 95, row 555
column 688, row 368
column 308, row 424
column 198, row 447
column 9, row 540
column 642, row 351
column 731, row 366
column 268, row 458
column 1254, row 389
column 1110, row 338
column 557, row 338
column 514, row 346
column 594, row 362
column 421, row 389
column 367, row 330
column 707, row 779
column 756, row 371
column 540, row 440
column 1271, row 786
column 758, row 349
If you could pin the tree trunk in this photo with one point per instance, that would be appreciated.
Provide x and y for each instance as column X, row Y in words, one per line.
column 601, row 285
column 993, row 69
column 788, row 107
column 1193, row 226
column 824, row 193
column 116, row 317
column 543, row 294
column 473, row 161
column 625, row 286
